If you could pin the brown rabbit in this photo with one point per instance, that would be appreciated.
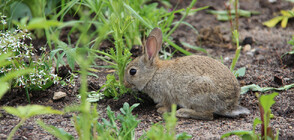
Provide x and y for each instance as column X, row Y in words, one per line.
column 200, row 85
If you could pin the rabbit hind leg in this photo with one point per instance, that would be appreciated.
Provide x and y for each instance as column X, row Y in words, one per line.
column 190, row 113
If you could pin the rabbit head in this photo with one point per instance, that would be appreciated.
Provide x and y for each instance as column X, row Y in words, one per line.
column 141, row 70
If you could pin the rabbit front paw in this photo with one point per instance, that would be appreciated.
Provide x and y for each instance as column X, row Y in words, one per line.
column 162, row 109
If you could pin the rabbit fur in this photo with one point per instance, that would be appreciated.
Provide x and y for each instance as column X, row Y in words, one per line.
column 200, row 85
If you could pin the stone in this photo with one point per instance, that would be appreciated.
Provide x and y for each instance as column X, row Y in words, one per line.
column 59, row 95
column 247, row 48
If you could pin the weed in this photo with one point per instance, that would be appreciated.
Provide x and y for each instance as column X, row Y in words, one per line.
column 241, row 71
column 5, row 79
column 25, row 112
column 265, row 103
column 167, row 132
column 285, row 16
column 24, row 56
column 254, row 87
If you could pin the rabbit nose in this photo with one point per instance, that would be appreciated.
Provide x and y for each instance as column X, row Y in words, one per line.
column 127, row 84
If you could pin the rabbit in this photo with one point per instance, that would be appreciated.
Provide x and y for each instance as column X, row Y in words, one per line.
column 200, row 85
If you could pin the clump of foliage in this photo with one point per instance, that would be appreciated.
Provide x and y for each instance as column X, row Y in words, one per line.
column 5, row 80
column 265, row 103
column 285, row 16
column 25, row 56
column 125, row 25
column 107, row 129
column 254, row 87
column 167, row 132
column 241, row 71
column 22, row 10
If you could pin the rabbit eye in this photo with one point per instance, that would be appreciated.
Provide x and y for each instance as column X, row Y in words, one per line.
column 133, row 71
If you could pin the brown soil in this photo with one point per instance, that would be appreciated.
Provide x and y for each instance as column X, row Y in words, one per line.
column 262, row 60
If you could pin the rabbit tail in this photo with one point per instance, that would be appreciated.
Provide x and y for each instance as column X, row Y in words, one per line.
column 235, row 112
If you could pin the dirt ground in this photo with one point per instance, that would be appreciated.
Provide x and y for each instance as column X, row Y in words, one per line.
column 262, row 60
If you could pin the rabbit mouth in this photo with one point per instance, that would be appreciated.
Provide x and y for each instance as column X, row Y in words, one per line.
column 128, row 85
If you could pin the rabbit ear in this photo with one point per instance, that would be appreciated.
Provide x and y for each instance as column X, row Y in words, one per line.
column 153, row 44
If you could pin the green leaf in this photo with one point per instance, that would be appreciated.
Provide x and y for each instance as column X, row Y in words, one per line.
column 70, row 56
column 57, row 132
column 254, row 87
column 183, row 136
column 137, row 16
column 284, row 22
column 194, row 47
column 272, row 23
column 42, row 23
column 176, row 46
column 240, row 72
column 238, row 133
column 13, row 74
column 4, row 86
column 267, row 101
column 30, row 110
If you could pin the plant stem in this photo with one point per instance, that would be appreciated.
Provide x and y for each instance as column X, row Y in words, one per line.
column 27, row 93
column 183, row 17
column 11, row 134
column 237, row 53
column 228, row 7
column 176, row 46
column 236, row 15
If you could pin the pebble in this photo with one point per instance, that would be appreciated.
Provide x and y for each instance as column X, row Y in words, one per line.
column 3, row 136
column 250, row 53
column 59, row 95
column 247, row 48
column 272, row 1
column 290, row 127
column 226, row 59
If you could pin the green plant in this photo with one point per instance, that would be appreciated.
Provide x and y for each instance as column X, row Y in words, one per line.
column 241, row 71
column 195, row 47
column 24, row 56
column 28, row 9
column 265, row 103
column 254, row 87
column 167, row 132
column 165, row 26
column 107, row 129
column 126, row 119
column 6, row 79
column 117, row 20
column 286, row 15
column 112, row 87
column 25, row 112
column 121, row 26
